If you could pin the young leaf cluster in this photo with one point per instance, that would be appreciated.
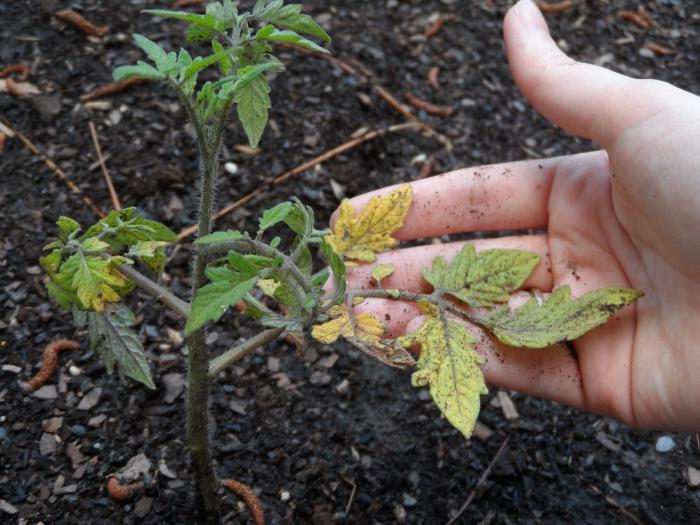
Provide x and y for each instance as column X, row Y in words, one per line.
column 83, row 269
column 241, row 49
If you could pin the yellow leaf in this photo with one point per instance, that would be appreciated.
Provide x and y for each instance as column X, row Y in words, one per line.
column 449, row 365
column 361, row 237
column 364, row 331
column 382, row 271
column 268, row 286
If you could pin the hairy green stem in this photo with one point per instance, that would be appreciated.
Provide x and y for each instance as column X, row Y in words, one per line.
column 238, row 352
column 206, row 483
column 160, row 293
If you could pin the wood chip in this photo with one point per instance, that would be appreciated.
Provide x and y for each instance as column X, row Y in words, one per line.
column 658, row 49
column 174, row 386
column 18, row 89
column 555, row 7
column 693, row 477
column 7, row 507
column 46, row 392
column 428, row 107
column 434, row 28
column 481, row 431
column 111, row 89
column 433, row 78
column 52, row 425
column 507, row 406
column 79, row 21
column 74, row 454
column 47, row 444
column 640, row 18
column 90, row 399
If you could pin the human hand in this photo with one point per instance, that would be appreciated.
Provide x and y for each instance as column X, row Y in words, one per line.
column 628, row 215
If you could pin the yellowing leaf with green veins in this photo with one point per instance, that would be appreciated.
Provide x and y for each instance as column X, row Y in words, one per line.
column 382, row 271
column 450, row 365
column 268, row 286
column 361, row 237
column 364, row 332
column 481, row 279
column 559, row 317
column 95, row 280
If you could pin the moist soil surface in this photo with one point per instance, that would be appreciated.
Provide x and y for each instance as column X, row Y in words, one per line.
column 330, row 437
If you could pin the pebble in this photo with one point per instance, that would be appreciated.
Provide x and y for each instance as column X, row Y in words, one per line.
column 409, row 501
column 665, row 444
column 3, row 433
column 693, row 477
column 646, row 53
column 13, row 369
column 343, row 387
column 400, row 514
column 47, row 444
column 46, row 392
column 90, row 399
column 52, row 425
column 231, row 168
column 78, row 430
column 7, row 507
column 285, row 495
column 96, row 421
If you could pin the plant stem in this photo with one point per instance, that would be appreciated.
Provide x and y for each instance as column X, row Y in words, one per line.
column 160, row 293
column 206, row 483
column 236, row 353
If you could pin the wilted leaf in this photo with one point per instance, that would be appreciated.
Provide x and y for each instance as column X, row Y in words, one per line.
column 363, row 331
column 481, row 279
column 95, row 280
column 559, row 317
column 112, row 338
column 449, row 365
column 361, row 237
column 382, row 271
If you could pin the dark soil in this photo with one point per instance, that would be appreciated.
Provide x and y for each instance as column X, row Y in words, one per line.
column 374, row 450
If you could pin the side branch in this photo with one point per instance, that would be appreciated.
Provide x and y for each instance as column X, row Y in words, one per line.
column 159, row 292
column 236, row 353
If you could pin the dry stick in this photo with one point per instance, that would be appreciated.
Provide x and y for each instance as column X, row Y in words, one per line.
column 364, row 76
column 480, row 483
column 22, row 69
column 190, row 230
column 54, row 168
column 251, row 500
column 555, row 7
column 79, row 21
column 108, row 180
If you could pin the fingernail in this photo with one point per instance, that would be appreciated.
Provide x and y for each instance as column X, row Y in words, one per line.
column 530, row 15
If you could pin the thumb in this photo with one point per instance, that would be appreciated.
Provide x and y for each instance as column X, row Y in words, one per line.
column 586, row 100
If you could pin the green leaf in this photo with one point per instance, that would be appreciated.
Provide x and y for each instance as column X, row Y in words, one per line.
column 449, row 365
column 93, row 245
column 156, row 53
column 242, row 263
column 112, row 338
column 559, row 317
column 481, row 279
column 224, row 63
column 213, row 300
column 220, row 237
column 199, row 63
column 152, row 253
column 67, row 227
column 274, row 215
column 270, row 33
column 126, row 227
column 207, row 21
column 319, row 279
column 140, row 70
column 51, row 262
column 290, row 16
column 338, row 268
column 252, row 103
column 95, row 280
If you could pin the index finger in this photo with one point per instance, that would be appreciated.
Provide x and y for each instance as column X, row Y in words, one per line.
column 496, row 197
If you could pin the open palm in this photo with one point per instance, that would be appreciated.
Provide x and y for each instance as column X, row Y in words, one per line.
column 628, row 216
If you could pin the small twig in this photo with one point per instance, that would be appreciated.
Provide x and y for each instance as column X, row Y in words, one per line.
column 251, row 500
column 352, row 495
column 555, row 7
column 77, row 20
column 433, row 78
column 14, row 89
column 428, row 107
column 111, row 89
column 236, row 353
column 22, row 69
column 612, row 501
column 49, row 361
column 434, row 28
column 352, row 143
column 658, row 49
column 479, row 483
column 3, row 138
column 55, row 169
column 108, row 180
column 159, row 292
column 122, row 491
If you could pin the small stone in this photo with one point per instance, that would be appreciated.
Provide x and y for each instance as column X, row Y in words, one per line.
column 273, row 364
column 96, row 421
column 285, row 495
column 665, row 444
column 7, row 507
column 52, row 425
column 165, row 470
column 231, row 168
column 78, row 430
column 329, row 361
column 137, row 465
column 507, row 406
column 46, row 392
column 409, row 501
column 400, row 514
column 13, row 369
column 47, row 444
column 238, row 407
column 3, row 433
column 646, row 53
column 693, row 477
column 143, row 506
column 319, row 378
column 174, row 386
column 115, row 117
column 343, row 387
column 175, row 336
column 90, row 399
column 482, row 432
column 74, row 454
column 414, row 478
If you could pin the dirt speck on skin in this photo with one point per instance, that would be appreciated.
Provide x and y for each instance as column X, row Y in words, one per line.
column 298, row 438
